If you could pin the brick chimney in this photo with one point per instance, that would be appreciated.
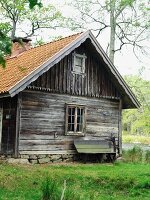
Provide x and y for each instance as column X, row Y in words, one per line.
column 19, row 46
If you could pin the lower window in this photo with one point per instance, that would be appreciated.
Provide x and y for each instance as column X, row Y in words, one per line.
column 75, row 119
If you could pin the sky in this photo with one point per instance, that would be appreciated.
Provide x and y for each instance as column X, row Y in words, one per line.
column 125, row 61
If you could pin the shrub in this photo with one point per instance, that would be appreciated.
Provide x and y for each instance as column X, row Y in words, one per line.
column 147, row 156
column 50, row 190
column 133, row 155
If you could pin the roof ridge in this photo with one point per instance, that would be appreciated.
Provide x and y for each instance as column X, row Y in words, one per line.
column 56, row 40
column 38, row 46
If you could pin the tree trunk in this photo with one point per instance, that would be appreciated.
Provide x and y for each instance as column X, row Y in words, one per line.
column 13, row 30
column 112, row 30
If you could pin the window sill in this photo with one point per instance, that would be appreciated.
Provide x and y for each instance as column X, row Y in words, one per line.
column 78, row 73
column 75, row 134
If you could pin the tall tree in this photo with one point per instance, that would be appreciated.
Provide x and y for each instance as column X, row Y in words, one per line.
column 14, row 13
column 17, row 12
column 127, row 21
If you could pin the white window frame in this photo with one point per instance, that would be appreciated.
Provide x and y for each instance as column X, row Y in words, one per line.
column 83, row 57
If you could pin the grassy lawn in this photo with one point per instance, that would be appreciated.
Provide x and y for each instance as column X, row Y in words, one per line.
column 83, row 181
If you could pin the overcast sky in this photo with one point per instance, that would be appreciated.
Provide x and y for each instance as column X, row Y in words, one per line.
column 125, row 61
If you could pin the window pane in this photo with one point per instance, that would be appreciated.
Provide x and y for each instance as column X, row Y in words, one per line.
column 79, row 119
column 71, row 119
column 71, row 127
column 78, row 69
column 78, row 61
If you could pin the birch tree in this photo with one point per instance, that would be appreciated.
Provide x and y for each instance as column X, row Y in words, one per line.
column 127, row 21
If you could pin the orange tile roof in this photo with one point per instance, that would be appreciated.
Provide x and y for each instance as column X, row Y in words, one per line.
column 17, row 68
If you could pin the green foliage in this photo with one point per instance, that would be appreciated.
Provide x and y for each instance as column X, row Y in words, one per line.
column 133, row 155
column 33, row 3
column 36, row 18
column 126, row 3
column 50, row 190
column 5, row 42
column 136, row 155
column 137, row 121
column 147, row 156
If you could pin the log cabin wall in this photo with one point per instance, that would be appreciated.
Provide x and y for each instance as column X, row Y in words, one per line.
column 95, row 83
column 43, row 105
column 42, row 121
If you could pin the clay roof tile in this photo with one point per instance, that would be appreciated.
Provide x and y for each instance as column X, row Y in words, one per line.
column 17, row 68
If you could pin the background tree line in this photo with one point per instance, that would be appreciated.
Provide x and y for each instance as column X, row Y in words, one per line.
column 137, row 121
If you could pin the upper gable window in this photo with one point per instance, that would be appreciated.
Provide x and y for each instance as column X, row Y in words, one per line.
column 79, row 63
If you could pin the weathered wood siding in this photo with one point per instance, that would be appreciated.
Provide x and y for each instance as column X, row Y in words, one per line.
column 42, row 115
column 96, row 82
column 9, row 106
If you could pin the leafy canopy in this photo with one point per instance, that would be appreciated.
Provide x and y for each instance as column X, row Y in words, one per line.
column 137, row 121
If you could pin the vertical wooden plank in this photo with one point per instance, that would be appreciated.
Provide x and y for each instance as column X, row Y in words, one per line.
column 120, row 128
column 96, row 82
column 65, row 71
column 69, row 70
column 79, row 85
column 47, row 79
column 43, row 80
column 98, row 74
column 56, row 77
column 17, row 125
column 60, row 78
column 53, row 78
column 102, row 83
column 63, row 74
column 88, row 79
column 91, row 76
column 82, row 85
column 1, row 119
column 73, row 83
column 66, row 119
column 75, row 120
column 85, row 77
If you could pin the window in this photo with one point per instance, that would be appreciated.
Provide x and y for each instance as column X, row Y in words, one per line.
column 79, row 63
column 75, row 119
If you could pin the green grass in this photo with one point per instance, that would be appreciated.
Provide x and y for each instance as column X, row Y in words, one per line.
column 126, row 138
column 83, row 181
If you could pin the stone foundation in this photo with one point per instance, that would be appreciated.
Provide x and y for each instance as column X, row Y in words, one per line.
column 57, row 158
column 40, row 159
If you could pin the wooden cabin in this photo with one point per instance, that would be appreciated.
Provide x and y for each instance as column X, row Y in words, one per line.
column 61, row 99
